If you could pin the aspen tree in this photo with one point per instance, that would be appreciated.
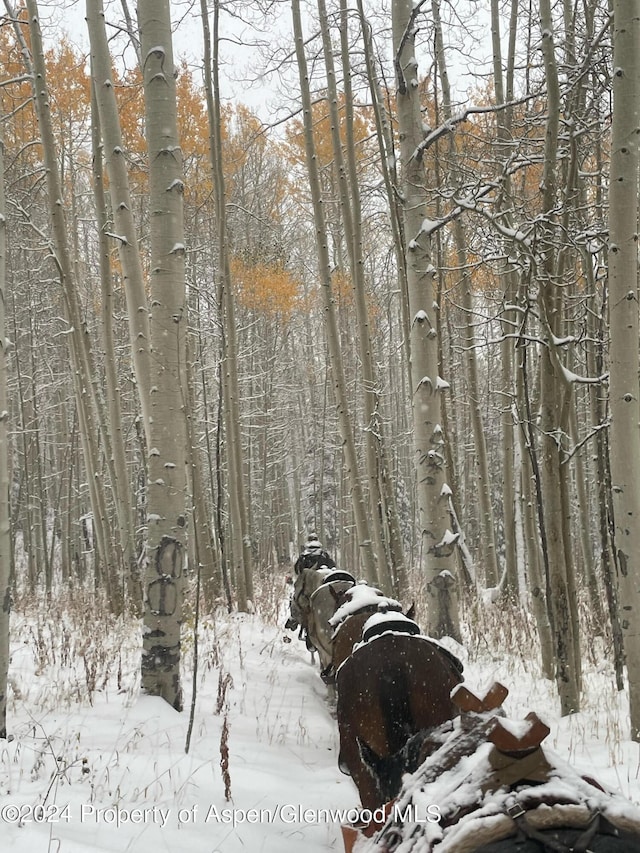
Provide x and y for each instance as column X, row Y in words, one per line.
column 438, row 542
column 167, row 483
column 375, row 412
column 503, row 93
column 240, row 538
column 121, row 203
column 78, row 342
column 555, row 394
column 121, row 485
column 488, row 547
column 367, row 557
column 350, row 207
column 5, row 533
column 625, row 331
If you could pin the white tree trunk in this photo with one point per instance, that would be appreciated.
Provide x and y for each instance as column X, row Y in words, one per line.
column 554, row 404
column 240, row 533
column 625, row 328
column 121, row 205
column 122, row 491
column 347, row 176
column 166, row 501
column 503, row 127
column 367, row 557
column 437, row 540
column 5, row 537
column 488, row 547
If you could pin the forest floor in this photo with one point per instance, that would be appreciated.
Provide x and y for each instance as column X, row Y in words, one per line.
column 94, row 766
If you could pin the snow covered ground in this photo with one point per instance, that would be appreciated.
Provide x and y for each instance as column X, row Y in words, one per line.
column 94, row 766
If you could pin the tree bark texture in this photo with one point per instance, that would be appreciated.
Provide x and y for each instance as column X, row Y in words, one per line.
column 625, row 329
column 438, row 543
column 5, row 532
column 166, row 501
column 121, row 204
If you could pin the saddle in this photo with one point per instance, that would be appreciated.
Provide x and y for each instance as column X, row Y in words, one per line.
column 338, row 575
column 380, row 624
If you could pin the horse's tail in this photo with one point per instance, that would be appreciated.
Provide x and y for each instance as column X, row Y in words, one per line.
column 396, row 707
column 397, row 723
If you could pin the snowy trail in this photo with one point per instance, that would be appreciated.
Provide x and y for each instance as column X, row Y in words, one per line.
column 114, row 776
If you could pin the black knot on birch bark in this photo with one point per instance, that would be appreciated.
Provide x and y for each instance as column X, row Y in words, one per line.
column 168, row 557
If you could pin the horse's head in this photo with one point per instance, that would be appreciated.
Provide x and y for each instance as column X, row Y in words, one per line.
column 387, row 771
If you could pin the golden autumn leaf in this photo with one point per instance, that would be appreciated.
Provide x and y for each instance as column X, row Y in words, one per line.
column 267, row 288
column 362, row 131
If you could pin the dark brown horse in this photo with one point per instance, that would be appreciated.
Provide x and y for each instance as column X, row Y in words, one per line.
column 353, row 608
column 349, row 632
column 392, row 687
column 485, row 785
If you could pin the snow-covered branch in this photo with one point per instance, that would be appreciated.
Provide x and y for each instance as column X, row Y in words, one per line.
column 450, row 125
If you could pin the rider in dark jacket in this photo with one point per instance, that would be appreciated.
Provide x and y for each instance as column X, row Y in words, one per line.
column 313, row 556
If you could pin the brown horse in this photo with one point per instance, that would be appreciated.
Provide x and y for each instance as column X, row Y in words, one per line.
column 493, row 790
column 349, row 632
column 477, row 814
column 346, row 635
column 392, row 687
